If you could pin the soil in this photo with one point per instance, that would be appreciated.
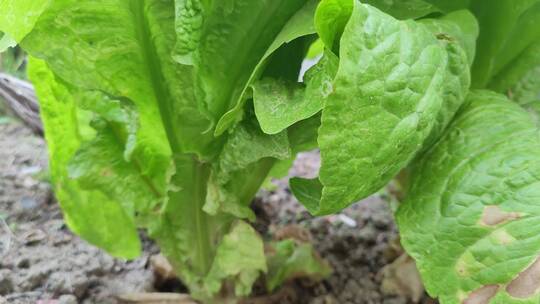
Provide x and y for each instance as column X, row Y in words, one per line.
column 41, row 261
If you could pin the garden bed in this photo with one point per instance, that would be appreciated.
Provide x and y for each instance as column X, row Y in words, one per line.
column 45, row 262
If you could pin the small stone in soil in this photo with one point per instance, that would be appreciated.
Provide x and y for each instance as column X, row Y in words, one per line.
column 76, row 283
column 34, row 237
column 28, row 203
column 36, row 277
column 23, row 263
column 325, row 300
column 67, row 299
column 6, row 281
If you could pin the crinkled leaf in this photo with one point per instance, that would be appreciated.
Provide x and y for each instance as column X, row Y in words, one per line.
column 240, row 257
column 233, row 194
column 19, row 17
column 244, row 163
column 291, row 260
column 459, row 27
column 248, row 144
column 93, row 215
column 189, row 20
column 331, row 18
column 281, row 103
column 118, row 112
column 100, row 164
column 235, row 37
column 470, row 216
column 124, row 49
column 289, row 21
column 457, row 33
column 274, row 97
column 386, row 100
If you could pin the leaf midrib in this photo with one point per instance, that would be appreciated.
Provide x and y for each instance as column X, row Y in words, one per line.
column 135, row 161
column 152, row 64
column 164, row 102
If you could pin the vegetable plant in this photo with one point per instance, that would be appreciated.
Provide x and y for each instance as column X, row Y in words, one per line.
column 170, row 115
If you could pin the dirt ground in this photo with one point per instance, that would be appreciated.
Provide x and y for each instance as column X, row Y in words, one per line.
column 42, row 262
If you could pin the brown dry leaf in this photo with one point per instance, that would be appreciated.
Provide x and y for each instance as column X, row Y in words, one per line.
column 163, row 270
column 394, row 249
column 402, row 278
column 294, row 232
column 286, row 295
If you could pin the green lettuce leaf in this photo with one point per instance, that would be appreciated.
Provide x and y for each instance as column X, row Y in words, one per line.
column 286, row 62
column 109, row 161
column 521, row 79
column 100, row 164
column 448, row 6
column 204, row 200
column 288, row 21
column 240, row 258
column 290, row 260
column 469, row 219
column 507, row 28
column 95, row 216
column 6, row 42
column 299, row 25
column 404, row 9
column 99, row 38
column 333, row 15
column 234, row 39
column 117, row 59
column 331, row 18
column 524, row 33
column 244, row 164
column 13, row 24
column 460, row 27
column 189, row 21
column 184, row 232
column 280, row 103
column 516, row 68
column 302, row 137
column 457, row 33
column 388, row 97
column 303, row 134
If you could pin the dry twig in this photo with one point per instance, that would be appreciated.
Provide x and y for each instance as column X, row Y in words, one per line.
column 20, row 98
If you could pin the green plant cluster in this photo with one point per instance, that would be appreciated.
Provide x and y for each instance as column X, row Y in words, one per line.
column 169, row 115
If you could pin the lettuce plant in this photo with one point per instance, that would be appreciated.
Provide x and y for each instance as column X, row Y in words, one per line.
column 169, row 115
